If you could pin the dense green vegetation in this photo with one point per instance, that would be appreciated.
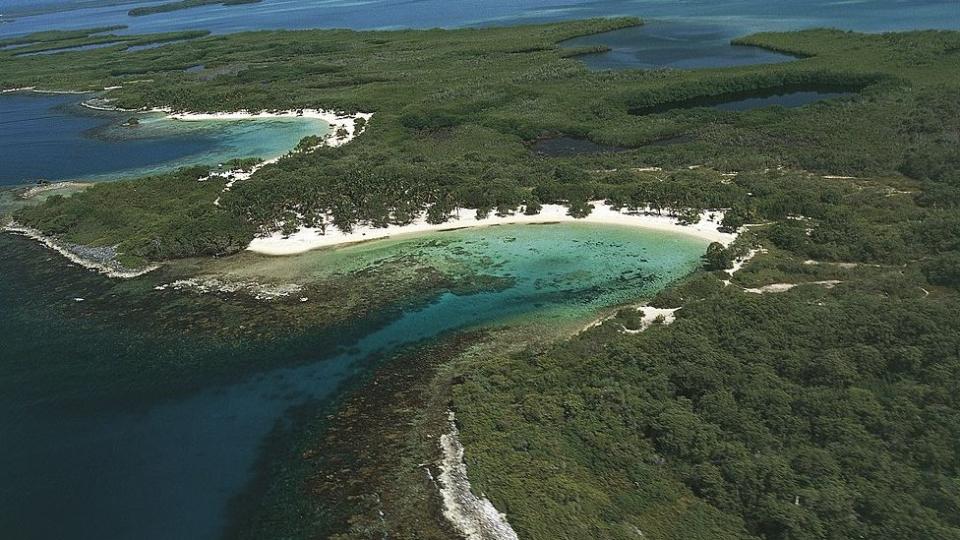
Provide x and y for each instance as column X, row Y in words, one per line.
column 455, row 111
column 810, row 414
column 155, row 218
column 184, row 4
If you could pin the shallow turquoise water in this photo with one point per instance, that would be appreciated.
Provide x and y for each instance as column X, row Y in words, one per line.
column 50, row 137
column 168, row 469
column 689, row 34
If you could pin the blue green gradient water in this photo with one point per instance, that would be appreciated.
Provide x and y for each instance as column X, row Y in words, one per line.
column 51, row 137
column 167, row 469
column 689, row 34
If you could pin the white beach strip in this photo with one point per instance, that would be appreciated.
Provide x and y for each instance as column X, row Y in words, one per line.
column 89, row 104
column 18, row 89
column 474, row 517
column 347, row 122
column 784, row 287
column 307, row 239
column 343, row 129
column 51, row 243
column 37, row 190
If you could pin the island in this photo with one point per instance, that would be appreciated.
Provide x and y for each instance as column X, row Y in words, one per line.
column 799, row 380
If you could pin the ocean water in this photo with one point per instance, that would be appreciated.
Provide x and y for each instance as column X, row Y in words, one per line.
column 51, row 137
column 687, row 34
column 168, row 469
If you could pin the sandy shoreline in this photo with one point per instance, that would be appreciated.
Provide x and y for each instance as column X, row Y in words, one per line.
column 343, row 126
column 474, row 517
column 308, row 239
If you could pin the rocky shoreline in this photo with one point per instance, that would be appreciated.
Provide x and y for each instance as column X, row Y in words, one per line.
column 102, row 259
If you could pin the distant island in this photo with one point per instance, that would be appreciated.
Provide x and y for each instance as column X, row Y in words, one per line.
column 184, row 4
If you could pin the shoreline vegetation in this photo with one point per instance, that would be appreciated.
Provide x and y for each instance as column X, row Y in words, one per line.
column 343, row 129
column 721, row 411
column 102, row 259
column 475, row 517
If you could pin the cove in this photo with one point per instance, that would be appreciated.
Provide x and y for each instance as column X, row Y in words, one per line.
column 169, row 469
column 52, row 137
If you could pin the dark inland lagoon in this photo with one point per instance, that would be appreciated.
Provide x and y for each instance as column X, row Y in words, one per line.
column 748, row 101
column 117, row 463
column 787, row 99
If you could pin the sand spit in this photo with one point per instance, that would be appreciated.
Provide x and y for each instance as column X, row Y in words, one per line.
column 475, row 517
column 307, row 239
column 36, row 90
column 98, row 259
column 651, row 316
column 344, row 127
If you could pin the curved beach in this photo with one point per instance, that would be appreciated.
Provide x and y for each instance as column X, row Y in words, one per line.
column 307, row 239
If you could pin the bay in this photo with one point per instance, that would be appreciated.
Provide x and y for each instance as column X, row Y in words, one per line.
column 168, row 468
column 51, row 137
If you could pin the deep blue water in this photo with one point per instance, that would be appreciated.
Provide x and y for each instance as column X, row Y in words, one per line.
column 673, row 44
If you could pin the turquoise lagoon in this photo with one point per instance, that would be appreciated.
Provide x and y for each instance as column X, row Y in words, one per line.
column 52, row 137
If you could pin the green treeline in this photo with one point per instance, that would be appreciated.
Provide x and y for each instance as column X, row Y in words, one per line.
column 800, row 415
column 184, row 4
column 154, row 218
column 817, row 413
column 456, row 111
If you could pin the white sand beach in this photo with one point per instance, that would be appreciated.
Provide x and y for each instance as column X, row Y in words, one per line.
column 343, row 129
column 307, row 239
column 343, row 126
